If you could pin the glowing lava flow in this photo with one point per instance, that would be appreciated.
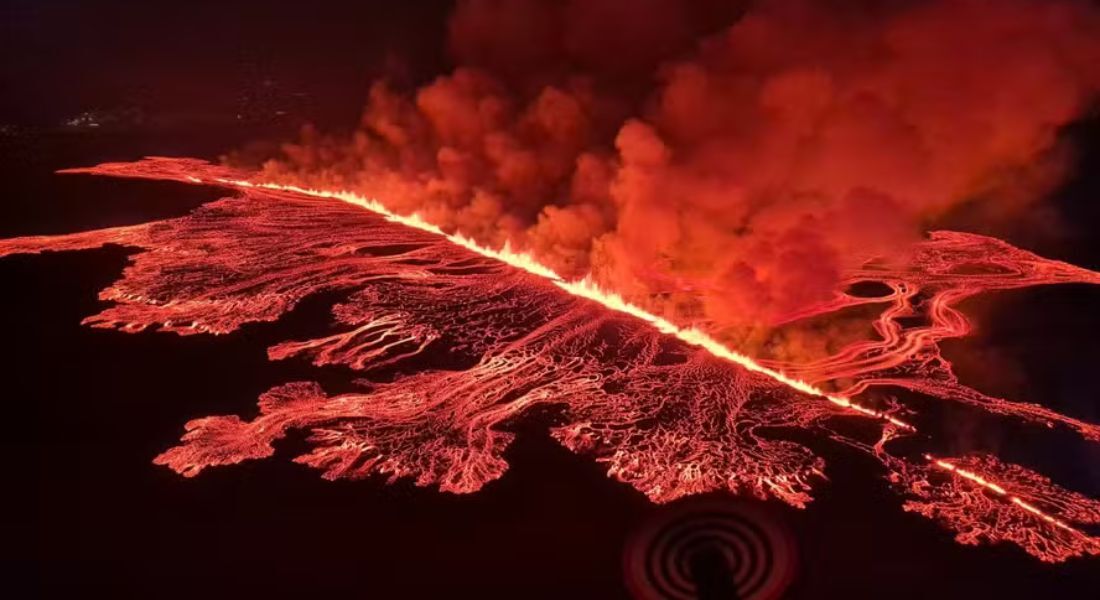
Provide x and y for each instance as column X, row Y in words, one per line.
column 985, row 500
column 448, row 341
column 927, row 284
column 583, row 288
column 1000, row 491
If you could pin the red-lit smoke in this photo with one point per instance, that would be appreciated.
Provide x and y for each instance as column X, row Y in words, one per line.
column 484, row 336
column 740, row 176
column 719, row 164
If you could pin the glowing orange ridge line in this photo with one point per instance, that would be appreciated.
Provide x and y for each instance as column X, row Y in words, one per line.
column 584, row 288
column 1000, row 491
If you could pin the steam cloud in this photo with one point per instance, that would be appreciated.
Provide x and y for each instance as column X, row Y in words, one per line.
column 717, row 163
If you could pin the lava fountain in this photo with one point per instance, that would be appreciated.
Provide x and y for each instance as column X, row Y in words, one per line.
column 483, row 335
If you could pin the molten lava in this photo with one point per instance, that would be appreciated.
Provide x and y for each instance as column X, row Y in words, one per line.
column 483, row 335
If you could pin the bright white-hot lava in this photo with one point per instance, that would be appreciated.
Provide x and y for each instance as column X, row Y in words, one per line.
column 481, row 336
column 584, row 288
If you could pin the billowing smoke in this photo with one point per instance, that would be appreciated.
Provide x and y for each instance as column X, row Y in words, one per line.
column 714, row 162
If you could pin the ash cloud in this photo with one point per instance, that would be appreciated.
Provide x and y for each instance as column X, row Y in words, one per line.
column 717, row 162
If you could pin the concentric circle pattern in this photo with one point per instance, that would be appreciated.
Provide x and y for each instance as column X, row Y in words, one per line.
column 710, row 549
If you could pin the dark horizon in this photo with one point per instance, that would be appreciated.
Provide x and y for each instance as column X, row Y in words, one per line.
column 89, row 409
column 62, row 58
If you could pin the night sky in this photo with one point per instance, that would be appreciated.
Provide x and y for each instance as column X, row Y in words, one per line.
column 63, row 57
column 88, row 409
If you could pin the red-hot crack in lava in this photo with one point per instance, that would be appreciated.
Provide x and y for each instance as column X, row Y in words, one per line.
column 669, row 410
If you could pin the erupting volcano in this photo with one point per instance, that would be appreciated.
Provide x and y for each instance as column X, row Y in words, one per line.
column 586, row 270
column 495, row 334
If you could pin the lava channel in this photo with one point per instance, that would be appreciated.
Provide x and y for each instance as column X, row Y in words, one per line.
column 481, row 336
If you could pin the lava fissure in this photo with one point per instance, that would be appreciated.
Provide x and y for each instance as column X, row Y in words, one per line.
column 669, row 410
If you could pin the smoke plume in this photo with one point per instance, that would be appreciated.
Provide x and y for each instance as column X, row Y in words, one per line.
column 718, row 163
